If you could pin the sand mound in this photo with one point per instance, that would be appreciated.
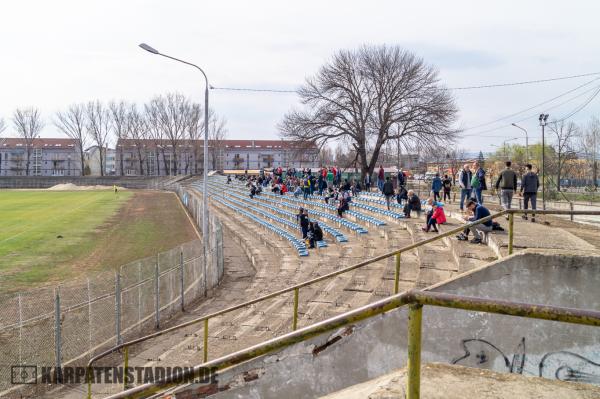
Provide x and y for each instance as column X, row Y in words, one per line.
column 73, row 187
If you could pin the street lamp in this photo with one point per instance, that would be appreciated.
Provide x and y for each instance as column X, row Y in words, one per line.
column 205, row 183
column 543, row 119
column 526, row 141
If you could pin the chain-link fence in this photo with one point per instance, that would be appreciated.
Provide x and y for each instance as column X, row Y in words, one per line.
column 70, row 323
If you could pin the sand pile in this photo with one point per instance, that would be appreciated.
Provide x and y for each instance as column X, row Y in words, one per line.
column 73, row 187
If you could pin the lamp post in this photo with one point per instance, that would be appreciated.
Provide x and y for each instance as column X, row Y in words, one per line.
column 526, row 140
column 205, row 173
column 543, row 119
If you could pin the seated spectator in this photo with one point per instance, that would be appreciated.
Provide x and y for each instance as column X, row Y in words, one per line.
column 479, row 212
column 342, row 206
column 283, row 189
column 314, row 234
column 298, row 191
column 329, row 195
column 402, row 195
column 437, row 217
column 413, row 203
column 252, row 191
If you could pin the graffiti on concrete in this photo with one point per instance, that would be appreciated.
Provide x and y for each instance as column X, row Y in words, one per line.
column 562, row 365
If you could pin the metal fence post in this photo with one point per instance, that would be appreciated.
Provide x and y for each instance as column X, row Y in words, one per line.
column 156, row 297
column 511, row 232
column 413, row 382
column 20, row 330
column 397, row 274
column 571, row 206
column 118, row 307
column 295, row 319
column 205, row 349
column 57, row 335
column 181, row 285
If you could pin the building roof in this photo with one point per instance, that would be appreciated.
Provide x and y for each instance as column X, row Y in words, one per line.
column 18, row 143
column 277, row 144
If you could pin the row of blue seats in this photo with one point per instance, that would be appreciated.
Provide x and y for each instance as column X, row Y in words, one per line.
column 356, row 203
column 344, row 222
column 296, row 243
column 216, row 190
column 340, row 237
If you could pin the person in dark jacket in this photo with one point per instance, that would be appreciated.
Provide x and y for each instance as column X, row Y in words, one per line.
column 507, row 182
column 402, row 195
column 436, row 186
column 401, row 178
column 413, row 203
column 447, row 184
column 314, row 233
column 479, row 212
column 529, row 187
column 388, row 191
column 304, row 223
column 464, row 181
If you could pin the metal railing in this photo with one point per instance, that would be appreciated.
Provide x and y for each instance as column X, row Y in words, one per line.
column 296, row 288
column 415, row 300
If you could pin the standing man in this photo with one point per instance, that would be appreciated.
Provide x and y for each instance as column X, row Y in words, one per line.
column 380, row 178
column 447, row 184
column 388, row 191
column 507, row 182
column 330, row 178
column 368, row 182
column 464, row 181
column 401, row 178
column 480, row 184
column 529, row 187
column 436, row 186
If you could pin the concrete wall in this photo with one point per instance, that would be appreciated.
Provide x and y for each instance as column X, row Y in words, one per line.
column 49, row 181
column 501, row 343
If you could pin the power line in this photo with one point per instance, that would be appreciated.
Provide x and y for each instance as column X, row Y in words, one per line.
column 537, row 114
column 530, row 108
column 487, row 86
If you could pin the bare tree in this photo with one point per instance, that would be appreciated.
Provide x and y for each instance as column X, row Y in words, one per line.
column 155, row 132
column 2, row 125
column 28, row 124
column 217, row 133
column 98, row 127
column 589, row 144
column 194, row 131
column 370, row 96
column 73, row 124
column 565, row 134
column 137, row 131
column 118, row 119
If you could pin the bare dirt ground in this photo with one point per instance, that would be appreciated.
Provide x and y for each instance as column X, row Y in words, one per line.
column 150, row 222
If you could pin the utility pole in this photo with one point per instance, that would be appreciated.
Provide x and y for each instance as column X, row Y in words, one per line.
column 543, row 120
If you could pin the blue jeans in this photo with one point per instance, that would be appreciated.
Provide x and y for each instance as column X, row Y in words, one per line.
column 306, row 191
column 479, row 195
column 380, row 184
column 464, row 193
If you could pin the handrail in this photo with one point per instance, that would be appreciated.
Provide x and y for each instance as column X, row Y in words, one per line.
column 414, row 298
column 295, row 288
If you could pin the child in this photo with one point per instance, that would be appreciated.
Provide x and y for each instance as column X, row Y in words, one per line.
column 437, row 217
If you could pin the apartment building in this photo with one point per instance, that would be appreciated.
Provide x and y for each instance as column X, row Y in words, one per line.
column 47, row 157
column 149, row 157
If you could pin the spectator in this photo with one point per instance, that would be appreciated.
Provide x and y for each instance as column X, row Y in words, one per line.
column 402, row 195
column 464, row 181
column 529, row 187
column 303, row 218
column 447, row 184
column 342, row 206
column 306, row 187
column 380, row 178
column 478, row 181
column 388, row 191
column 228, row 179
column 298, row 191
column 330, row 178
column 367, row 182
column 479, row 212
column 401, row 178
column 507, row 182
column 252, row 191
column 436, row 186
column 315, row 234
column 413, row 203
column 437, row 217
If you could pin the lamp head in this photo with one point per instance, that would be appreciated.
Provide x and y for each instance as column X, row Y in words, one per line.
column 149, row 48
column 546, row 117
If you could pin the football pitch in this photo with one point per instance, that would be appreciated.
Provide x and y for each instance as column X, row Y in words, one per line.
column 49, row 236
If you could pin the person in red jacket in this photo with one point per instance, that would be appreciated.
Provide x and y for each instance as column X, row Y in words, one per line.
column 437, row 217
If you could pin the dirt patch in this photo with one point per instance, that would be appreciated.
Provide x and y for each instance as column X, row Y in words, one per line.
column 149, row 223
column 74, row 187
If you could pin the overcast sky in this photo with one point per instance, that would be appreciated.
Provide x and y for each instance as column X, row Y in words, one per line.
column 58, row 52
